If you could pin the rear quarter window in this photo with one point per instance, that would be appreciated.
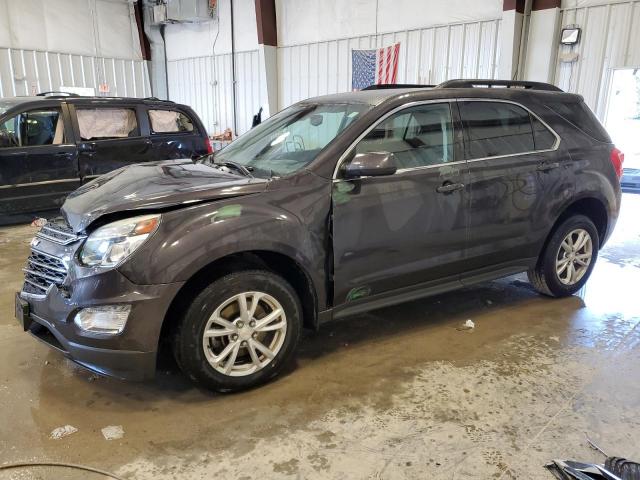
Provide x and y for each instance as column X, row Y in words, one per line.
column 169, row 121
column 581, row 117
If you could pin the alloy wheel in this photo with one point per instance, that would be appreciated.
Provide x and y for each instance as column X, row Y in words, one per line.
column 574, row 256
column 244, row 334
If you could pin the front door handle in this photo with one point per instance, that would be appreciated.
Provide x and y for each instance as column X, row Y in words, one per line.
column 449, row 187
column 546, row 166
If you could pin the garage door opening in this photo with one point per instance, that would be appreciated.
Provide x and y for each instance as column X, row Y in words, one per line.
column 623, row 122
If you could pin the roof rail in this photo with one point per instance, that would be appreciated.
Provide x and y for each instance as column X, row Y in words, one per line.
column 386, row 86
column 522, row 84
column 156, row 99
column 56, row 94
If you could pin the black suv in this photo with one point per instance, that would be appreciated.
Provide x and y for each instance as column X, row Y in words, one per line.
column 332, row 207
column 52, row 144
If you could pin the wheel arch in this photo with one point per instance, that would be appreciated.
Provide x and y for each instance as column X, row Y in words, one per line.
column 276, row 262
column 592, row 208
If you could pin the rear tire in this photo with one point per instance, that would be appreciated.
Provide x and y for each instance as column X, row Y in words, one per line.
column 564, row 266
column 239, row 332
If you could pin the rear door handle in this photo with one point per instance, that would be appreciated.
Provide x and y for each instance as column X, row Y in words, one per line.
column 546, row 166
column 449, row 187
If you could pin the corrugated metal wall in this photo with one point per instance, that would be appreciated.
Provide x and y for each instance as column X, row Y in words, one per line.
column 610, row 39
column 25, row 72
column 428, row 56
column 205, row 83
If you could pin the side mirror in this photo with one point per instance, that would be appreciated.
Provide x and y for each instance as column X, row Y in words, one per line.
column 371, row 164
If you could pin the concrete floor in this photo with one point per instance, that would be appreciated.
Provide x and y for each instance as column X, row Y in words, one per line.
column 398, row 393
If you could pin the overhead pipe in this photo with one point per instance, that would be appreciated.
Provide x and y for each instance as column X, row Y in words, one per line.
column 158, row 66
column 233, row 74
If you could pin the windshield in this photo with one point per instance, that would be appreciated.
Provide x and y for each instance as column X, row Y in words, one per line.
column 291, row 139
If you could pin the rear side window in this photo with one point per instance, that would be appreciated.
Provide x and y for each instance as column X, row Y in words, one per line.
column 107, row 123
column 581, row 116
column 169, row 121
column 496, row 128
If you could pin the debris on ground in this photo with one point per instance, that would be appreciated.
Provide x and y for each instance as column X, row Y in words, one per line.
column 61, row 432
column 614, row 468
column 468, row 325
column 39, row 222
column 113, row 432
column 555, row 339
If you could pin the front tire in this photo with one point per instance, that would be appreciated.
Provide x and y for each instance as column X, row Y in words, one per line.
column 239, row 332
column 568, row 258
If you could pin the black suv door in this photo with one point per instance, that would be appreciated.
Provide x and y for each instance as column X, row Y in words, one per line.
column 513, row 167
column 109, row 137
column 175, row 133
column 38, row 160
column 396, row 231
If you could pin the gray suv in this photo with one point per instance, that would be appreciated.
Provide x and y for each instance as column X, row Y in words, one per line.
column 332, row 207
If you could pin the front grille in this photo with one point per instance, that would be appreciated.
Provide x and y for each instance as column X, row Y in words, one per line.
column 43, row 269
column 58, row 231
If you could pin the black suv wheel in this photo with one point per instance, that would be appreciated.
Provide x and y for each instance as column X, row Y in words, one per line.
column 239, row 332
column 568, row 259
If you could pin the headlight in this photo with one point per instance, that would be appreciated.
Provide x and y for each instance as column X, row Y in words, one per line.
column 112, row 243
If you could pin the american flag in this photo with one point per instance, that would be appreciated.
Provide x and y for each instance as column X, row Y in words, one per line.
column 371, row 67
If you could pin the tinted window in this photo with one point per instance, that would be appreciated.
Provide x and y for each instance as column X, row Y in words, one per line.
column 418, row 136
column 543, row 139
column 105, row 123
column 169, row 121
column 34, row 128
column 581, row 116
column 495, row 128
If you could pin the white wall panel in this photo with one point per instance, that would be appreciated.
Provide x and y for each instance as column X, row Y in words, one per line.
column 25, row 72
column 610, row 40
column 205, row 83
column 427, row 56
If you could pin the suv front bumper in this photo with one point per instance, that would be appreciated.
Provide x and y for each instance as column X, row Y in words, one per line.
column 49, row 316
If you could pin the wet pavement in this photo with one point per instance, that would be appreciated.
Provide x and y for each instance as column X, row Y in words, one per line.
column 397, row 393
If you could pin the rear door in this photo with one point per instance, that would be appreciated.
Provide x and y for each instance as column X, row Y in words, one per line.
column 513, row 166
column 109, row 137
column 39, row 160
column 175, row 133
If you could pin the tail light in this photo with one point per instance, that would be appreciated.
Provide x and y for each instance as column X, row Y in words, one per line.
column 617, row 159
column 207, row 142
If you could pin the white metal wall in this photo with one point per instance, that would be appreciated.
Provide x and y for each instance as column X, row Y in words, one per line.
column 206, row 84
column 25, row 72
column 610, row 39
column 428, row 56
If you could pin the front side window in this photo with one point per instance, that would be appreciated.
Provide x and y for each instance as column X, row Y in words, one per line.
column 496, row 128
column 291, row 139
column 107, row 123
column 417, row 136
column 169, row 121
column 33, row 128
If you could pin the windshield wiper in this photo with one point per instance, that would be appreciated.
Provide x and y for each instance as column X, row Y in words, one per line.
column 246, row 171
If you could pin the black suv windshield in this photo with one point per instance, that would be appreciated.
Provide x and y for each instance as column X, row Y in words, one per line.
column 291, row 139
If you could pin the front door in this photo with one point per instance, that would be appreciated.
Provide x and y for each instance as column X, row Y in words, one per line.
column 109, row 138
column 38, row 159
column 513, row 165
column 398, row 231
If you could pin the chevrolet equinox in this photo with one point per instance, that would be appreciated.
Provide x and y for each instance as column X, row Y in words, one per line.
column 332, row 207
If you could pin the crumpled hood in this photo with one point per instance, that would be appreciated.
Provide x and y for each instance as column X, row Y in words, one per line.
column 154, row 185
